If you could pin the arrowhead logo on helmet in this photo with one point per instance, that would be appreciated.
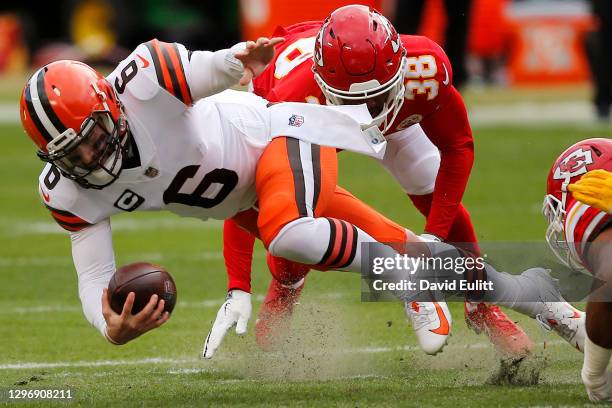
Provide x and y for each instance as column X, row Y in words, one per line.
column 574, row 164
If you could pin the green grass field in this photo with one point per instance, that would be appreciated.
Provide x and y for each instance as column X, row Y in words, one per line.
column 342, row 352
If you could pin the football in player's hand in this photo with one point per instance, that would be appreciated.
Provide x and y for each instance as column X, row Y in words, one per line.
column 145, row 280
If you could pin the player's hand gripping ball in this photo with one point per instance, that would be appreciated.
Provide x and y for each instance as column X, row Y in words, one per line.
column 145, row 280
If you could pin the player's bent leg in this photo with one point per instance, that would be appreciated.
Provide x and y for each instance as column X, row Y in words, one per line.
column 508, row 337
column 431, row 321
column 345, row 206
column 317, row 240
column 294, row 179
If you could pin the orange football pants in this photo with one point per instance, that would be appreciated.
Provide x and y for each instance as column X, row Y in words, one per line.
column 295, row 179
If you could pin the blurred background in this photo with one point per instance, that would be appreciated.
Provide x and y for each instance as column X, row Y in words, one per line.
column 505, row 44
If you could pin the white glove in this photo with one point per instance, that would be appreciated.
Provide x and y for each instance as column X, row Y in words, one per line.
column 236, row 310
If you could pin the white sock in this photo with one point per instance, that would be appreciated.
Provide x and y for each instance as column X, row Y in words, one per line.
column 596, row 359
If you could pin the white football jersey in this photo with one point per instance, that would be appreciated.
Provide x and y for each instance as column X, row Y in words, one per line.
column 196, row 161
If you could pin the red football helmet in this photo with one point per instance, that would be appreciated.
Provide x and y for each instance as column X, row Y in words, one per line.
column 359, row 58
column 72, row 114
column 584, row 156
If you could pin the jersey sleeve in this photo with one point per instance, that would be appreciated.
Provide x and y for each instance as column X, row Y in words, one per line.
column 238, row 255
column 449, row 129
column 92, row 251
column 582, row 225
column 94, row 260
column 55, row 195
column 187, row 75
column 67, row 220
column 170, row 61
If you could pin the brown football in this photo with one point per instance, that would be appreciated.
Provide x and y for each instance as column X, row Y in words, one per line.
column 145, row 280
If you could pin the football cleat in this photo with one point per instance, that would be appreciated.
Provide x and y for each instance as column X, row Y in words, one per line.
column 556, row 314
column 509, row 339
column 431, row 322
column 274, row 318
column 565, row 320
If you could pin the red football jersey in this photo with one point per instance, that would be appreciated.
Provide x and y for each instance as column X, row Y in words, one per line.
column 582, row 225
column 289, row 77
column 430, row 99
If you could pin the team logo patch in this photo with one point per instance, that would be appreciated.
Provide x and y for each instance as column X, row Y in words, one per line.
column 574, row 164
column 409, row 121
column 296, row 120
column 151, row 172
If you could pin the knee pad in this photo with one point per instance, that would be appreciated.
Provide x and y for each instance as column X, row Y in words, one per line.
column 304, row 240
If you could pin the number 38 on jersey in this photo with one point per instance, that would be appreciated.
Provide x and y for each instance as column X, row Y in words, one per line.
column 420, row 77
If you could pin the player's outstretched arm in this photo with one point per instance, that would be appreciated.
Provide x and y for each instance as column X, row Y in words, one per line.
column 94, row 260
column 212, row 72
column 594, row 189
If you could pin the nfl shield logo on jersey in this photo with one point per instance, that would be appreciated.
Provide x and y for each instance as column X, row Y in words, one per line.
column 296, row 120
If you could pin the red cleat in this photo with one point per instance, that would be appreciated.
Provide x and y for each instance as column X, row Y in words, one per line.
column 507, row 337
column 274, row 318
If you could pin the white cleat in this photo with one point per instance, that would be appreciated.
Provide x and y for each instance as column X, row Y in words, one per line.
column 565, row 320
column 555, row 313
column 599, row 389
column 431, row 322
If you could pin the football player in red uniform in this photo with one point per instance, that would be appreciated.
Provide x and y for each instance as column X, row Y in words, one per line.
column 579, row 234
column 355, row 56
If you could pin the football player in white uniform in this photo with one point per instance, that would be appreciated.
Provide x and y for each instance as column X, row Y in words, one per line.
column 98, row 166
